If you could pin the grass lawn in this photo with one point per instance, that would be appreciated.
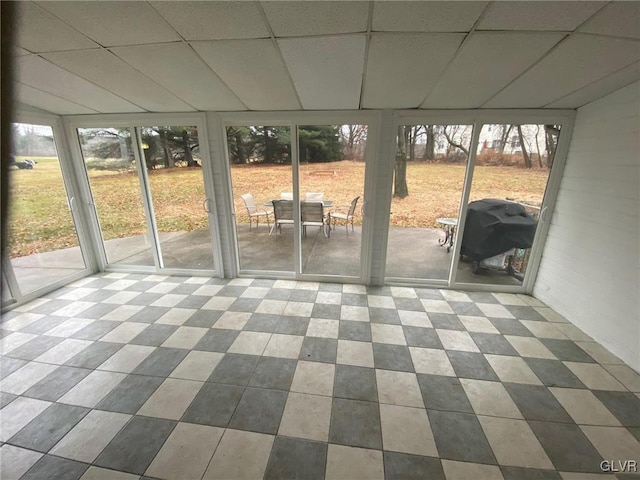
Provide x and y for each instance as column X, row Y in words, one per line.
column 40, row 219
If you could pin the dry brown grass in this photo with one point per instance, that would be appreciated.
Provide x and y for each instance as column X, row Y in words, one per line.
column 40, row 220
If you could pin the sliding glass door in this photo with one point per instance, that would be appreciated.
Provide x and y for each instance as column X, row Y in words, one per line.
column 147, row 187
column 42, row 242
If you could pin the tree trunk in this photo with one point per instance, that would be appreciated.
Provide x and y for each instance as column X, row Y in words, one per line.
column 551, row 141
column 166, row 151
column 400, row 189
column 188, row 156
column 267, row 146
column 538, row 147
column 525, row 154
column 240, row 155
column 504, row 137
column 413, row 135
column 429, row 146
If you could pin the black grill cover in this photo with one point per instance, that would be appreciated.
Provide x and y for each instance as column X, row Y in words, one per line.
column 496, row 226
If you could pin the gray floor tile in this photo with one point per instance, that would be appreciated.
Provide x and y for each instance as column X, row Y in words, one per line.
column 145, row 300
column 94, row 355
column 465, row 308
column 508, row 326
column 292, row 326
column 355, row 383
column 50, row 307
column 519, row 473
column 303, row 296
column 214, row 405
column 567, row 447
column 130, row 394
column 319, row 350
column 135, row 446
column 264, row 283
column 6, row 399
column 635, row 431
column 203, row 318
column 325, row 310
column 192, row 301
column 330, row 287
column 231, row 291
column 359, row 331
column 446, row 321
column 262, row 322
column 429, row 294
column 403, row 466
column 459, row 436
column 356, row 299
column 259, row 410
column 411, row 304
column 382, row 290
column 492, row 343
column 217, row 340
column 35, row 347
column 422, row 337
column 248, row 305
column 140, row 286
column 279, row 294
column 625, row 406
column 443, row 393
column 95, row 330
column 9, row 365
column 154, row 335
column 49, row 467
column 161, row 362
column 566, row 350
column 392, row 357
column 522, row 312
column 482, row 297
column 296, row 459
column 471, row 365
column 274, row 373
column 44, row 431
column 234, row 369
column 537, row 403
column 98, row 295
column 384, row 315
column 355, row 423
column 99, row 310
column 57, row 383
column 148, row 314
column 553, row 373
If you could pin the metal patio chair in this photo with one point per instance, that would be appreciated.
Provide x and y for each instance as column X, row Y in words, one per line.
column 254, row 211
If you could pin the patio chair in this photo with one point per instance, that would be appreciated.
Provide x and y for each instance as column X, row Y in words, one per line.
column 347, row 217
column 282, row 214
column 314, row 197
column 313, row 216
column 286, row 196
column 253, row 210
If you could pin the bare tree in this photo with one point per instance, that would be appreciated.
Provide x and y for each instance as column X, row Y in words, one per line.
column 430, row 145
column 505, row 130
column 552, row 132
column 452, row 141
column 523, row 146
column 350, row 137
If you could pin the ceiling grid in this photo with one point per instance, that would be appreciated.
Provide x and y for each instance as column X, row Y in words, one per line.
column 167, row 56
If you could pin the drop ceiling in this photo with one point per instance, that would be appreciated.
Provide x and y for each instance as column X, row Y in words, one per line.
column 120, row 57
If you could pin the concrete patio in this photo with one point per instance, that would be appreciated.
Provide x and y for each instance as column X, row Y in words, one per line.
column 413, row 253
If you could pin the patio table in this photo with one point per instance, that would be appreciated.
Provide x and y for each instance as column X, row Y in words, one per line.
column 325, row 203
column 449, row 226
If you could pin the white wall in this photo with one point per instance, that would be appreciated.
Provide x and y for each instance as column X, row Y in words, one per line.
column 590, row 267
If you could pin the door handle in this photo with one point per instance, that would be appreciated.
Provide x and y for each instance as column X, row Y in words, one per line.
column 205, row 205
column 542, row 216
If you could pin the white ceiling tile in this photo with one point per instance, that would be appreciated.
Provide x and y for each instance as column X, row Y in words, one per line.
column 425, row 16
column 214, row 20
column 43, row 75
column 18, row 52
column 114, row 23
column 618, row 18
column 326, row 71
column 254, row 70
column 39, row 31
column 600, row 88
column 297, row 18
column 486, row 63
column 537, row 15
column 402, row 68
column 45, row 101
column 111, row 73
column 577, row 62
column 167, row 64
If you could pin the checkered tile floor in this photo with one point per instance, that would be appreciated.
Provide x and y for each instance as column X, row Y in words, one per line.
column 119, row 375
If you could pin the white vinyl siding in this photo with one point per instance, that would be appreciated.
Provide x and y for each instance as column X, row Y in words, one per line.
column 590, row 268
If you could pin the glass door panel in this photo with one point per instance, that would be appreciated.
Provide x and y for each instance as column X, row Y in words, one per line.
column 43, row 244
column 180, row 204
column 331, row 179
column 507, row 192
column 115, row 187
column 430, row 167
column 260, row 165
